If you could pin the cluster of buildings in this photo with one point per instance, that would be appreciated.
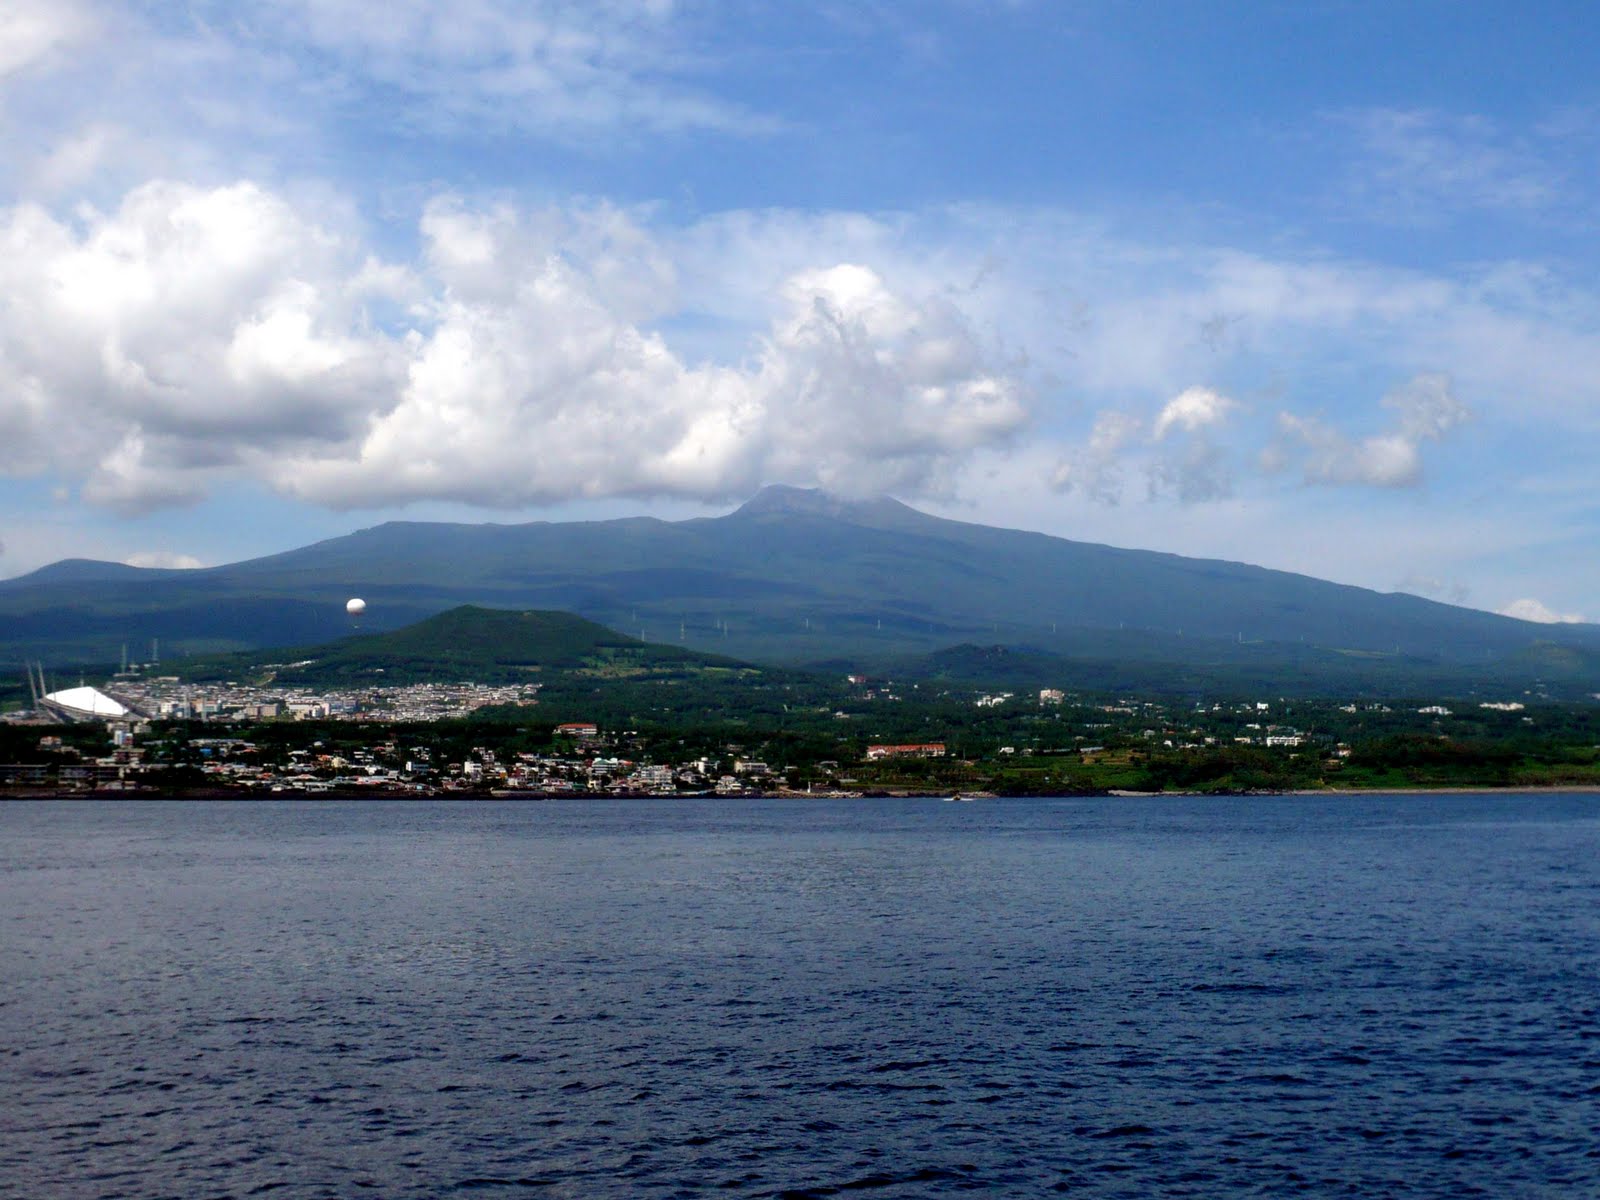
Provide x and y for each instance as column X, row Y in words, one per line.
column 610, row 775
column 140, row 755
column 385, row 767
column 132, row 697
column 60, row 767
column 907, row 750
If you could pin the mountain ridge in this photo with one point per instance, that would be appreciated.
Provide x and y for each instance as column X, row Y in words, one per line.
column 793, row 575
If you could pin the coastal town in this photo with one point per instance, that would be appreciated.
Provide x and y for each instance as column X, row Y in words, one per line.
column 158, row 734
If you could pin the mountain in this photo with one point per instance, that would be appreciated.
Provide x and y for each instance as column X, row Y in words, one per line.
column 801, row 576
column 468, row 643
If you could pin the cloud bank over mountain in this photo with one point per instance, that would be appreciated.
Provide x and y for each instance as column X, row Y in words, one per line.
column 193, row 334
column 502, row 257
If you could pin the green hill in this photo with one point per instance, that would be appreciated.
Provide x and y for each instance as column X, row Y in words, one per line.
column 469, row 643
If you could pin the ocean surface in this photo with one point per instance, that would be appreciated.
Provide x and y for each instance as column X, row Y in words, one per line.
column 1386, row 996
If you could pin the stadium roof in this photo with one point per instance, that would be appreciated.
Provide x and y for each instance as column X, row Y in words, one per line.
column 87, row 702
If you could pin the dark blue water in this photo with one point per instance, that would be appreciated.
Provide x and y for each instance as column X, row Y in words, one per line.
column 1386, row 996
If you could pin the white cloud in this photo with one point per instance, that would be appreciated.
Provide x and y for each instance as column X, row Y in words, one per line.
column 1528, row 609
column 194, row 335
column 189, row 330
column 1427, row 408
column 137, row 476
column 166, row 559
column 186, row 336
column 1192, row 409
column 531, row 387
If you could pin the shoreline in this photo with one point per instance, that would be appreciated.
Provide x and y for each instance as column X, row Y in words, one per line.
column 246, row 794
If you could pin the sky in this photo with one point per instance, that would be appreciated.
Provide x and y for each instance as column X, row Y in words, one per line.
column 1310, row 284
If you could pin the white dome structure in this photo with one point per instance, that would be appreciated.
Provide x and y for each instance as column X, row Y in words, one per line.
column 355, row 606
column 85, row 704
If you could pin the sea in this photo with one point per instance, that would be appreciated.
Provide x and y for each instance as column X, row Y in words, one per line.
column 1373, row 996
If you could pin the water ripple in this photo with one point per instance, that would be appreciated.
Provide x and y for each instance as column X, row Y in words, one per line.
column 1255, row 997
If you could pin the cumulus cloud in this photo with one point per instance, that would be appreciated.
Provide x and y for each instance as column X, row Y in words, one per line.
column 1192, row 409
column 193, row 335
column 188, row 330
column 538, row 389
column 166, row 559
column 1528, row 609
column 1427, row 409
column 184, row 336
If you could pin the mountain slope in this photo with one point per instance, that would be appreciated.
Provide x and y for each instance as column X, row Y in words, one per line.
column 797, row 576
column 470, row 644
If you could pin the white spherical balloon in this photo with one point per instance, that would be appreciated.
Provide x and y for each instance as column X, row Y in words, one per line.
column 355, row 606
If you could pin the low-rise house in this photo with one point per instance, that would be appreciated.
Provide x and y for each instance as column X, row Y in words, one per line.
column 909, row 750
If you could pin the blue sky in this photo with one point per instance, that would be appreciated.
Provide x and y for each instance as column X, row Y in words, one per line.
column 1303, row 284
